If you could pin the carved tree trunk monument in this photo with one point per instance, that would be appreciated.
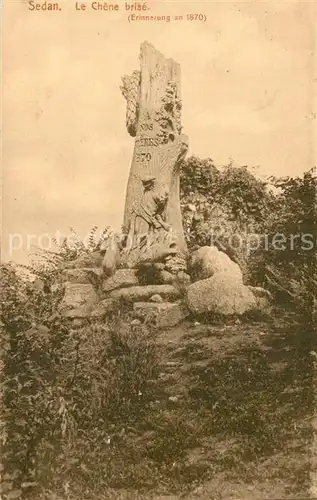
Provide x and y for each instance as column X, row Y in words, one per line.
column 152, row 207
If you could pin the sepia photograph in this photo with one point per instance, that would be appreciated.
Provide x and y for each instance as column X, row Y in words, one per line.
column 158, row 275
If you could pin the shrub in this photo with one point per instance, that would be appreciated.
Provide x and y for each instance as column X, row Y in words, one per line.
column 66, row 392
column 228, row 206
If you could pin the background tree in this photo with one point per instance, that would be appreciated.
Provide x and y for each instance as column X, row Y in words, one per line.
column 269, row 227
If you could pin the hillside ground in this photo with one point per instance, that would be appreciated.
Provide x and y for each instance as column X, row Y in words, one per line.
column 228, row 418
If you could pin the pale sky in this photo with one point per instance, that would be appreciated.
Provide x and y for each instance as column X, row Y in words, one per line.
column 248, row 87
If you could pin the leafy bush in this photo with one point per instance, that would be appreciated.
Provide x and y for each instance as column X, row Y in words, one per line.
column 222, row 206
column 269, row 228
column 288, row 267
column 47, row 264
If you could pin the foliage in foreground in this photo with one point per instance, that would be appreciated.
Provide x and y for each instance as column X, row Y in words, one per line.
column 86, row 410
column 66, row 393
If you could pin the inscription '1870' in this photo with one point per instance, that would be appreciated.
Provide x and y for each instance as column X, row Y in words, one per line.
column 141, row 157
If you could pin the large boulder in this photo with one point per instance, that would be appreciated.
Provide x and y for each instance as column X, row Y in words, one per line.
column 121, row 279
column 165, row 314
column 78, row 300
column 223, row 293
column 207, row 261
column 135, row 293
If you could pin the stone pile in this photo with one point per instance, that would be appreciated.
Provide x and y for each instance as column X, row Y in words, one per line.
column 161, row 290
column 152, row 288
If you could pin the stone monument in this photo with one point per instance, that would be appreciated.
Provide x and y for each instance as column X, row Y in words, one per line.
column 153, row 116
column 147, row 261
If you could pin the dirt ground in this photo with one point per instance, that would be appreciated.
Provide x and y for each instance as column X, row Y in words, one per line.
column 278, row 467
column 229, row 417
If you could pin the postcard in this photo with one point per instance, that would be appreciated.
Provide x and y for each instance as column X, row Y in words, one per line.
column 159, row 264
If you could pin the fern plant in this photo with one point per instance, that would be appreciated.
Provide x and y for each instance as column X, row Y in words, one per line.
column 47, row 264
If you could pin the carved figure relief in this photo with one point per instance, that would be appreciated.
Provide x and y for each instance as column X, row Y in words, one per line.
column 151, row 208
